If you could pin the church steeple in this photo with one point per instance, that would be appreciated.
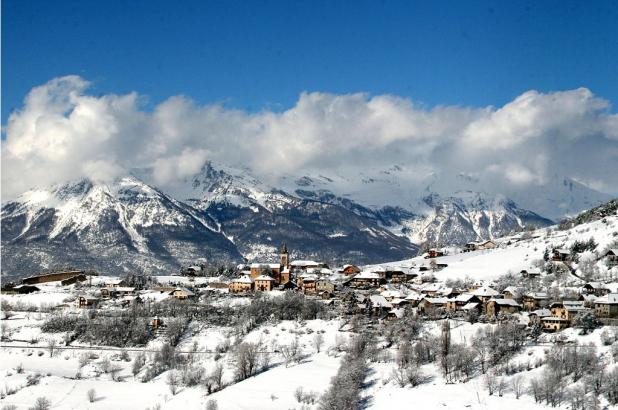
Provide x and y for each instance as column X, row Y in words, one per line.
column 284, row 257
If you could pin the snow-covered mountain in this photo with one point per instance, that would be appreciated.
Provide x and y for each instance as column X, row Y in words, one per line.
column 123, row 226
column 227, row 213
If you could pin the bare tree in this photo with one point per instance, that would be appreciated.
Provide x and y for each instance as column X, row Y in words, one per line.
column 490, row 383
column 51, row 346
column 291, row 353
column 42, row 403
column 246, row 360
column 318, row 341
column 517, row 384
column 173, row 380
column 92, row 395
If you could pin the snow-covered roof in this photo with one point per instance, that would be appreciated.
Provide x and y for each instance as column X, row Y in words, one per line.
column 541, row 312
column 562, row 251
column 304, row 263
column 306, row 277
column 414, row 296
column 184, row 290
column 436, row 301
column 609, row 299
column 485, row 291
column 243, row 279
column 537, row 295
column 391, row 294
column 505, row 302
column 367, row 275
column 264, row 277
column 398, row 312
column 470, row 306
column 379, row 301
column 464, row 297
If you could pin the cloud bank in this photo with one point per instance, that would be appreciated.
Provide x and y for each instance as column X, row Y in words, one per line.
column 62, row 132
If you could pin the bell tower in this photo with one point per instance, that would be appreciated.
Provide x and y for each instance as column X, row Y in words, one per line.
column 284, row 260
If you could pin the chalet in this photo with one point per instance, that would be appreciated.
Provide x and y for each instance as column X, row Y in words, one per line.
column 115, row 283
column 264, row 283
column 449, row 292
column 535, row 316
column 395, row 313
column 434, row 253
column 182, row 294
column 595, row 288
column 391, row 294
column 496, row 306
column 413, row 298
column 472, row 306
column 487, row 245
column 379, row 304
column 304, row 265
column 324, row 285
column 396, row 276
column 606, row 306
column 511, row 292
column 561, row 255
column 458, row 302
column 484, row 293
column 531, row 273
column 307, row 283
column 432, row 289
column 611, row 258
column 568, row 309
column 350, row 270
column 470, row 247
column 107, row 293
column 476, row 285
column 86, row 302
column 365, row 280
column 430, row 305
column 535, row 300
column 244, row 284
column 554, row 324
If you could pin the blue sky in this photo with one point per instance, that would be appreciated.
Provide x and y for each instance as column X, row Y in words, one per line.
column 261, row 55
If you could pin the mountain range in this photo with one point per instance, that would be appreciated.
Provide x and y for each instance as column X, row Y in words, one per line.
column 228, row 214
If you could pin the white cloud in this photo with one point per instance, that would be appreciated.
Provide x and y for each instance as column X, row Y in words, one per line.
column 62, row 132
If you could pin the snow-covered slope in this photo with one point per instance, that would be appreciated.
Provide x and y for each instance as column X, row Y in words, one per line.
column 121, row 226
column 524, row 251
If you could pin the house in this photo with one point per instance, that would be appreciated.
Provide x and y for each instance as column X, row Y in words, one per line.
column 470, row 247
column 391, row 294
column 395, row 313
column 86, row 302
column 472, row 306
column 561, row 255
column 434, row 253
column 350, row 270
column 595, row 288
column 554, row 324
column 531, row 273
column 606, row 306
column 432, row 289
column 535, row 300
column 192, row 270
column 611, row 258
column 476, row 285
column 307, row 283
column 458, row 302
column 244, row 284
column 413, row 298
column 115, row 283
column 505, row 306
column 264, row 283
column 379, row 304
column 257, row 269
column 430, row 305
column 484, row 293
column 487, row 245
column 535, row 316
column 182, row 294
column 395, row 276
column 304, row 265
column 324, row 285
column 510, row 292
column 568, row 309
column 156, row 322
column 365, row 280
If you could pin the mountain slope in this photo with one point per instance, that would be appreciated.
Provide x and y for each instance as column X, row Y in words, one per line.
column 126, row 225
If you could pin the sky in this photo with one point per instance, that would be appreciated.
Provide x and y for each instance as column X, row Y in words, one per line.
column 173, row 84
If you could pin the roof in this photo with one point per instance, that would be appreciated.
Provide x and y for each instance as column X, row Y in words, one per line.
column 562, row 251
column 554, row 318
column 367, row 275
column 243, row 279
column 391, row 294
column 464, row 297
column 609, row 299
column 505, row 302
column 264, row 277
column 470, row 306
column 398, row 312
column 540, row 312
column 304, row 263
column 485, row 291
column 436, row 301
column 379, row 301
column 612, row 251
column 537, row 295
column 185, row 290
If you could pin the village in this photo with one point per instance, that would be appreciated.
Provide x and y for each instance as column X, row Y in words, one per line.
column 506, row 305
